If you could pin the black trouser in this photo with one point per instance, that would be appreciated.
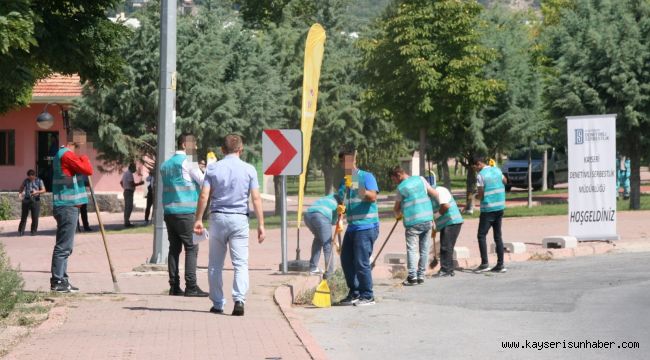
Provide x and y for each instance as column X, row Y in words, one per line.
column 448, row 237
column 493, row 220
column 34, row 207
column 83, row 211
column 179, row 232
column 147, row 210
column 128, row 206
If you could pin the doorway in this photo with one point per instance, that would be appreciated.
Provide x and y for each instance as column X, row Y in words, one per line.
column 46, row 149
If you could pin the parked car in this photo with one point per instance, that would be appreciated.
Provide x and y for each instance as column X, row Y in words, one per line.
column 515, row 169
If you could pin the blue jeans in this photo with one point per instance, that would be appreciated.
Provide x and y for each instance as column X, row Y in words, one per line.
column 417, row 242
column 355, row 261
column 321, row 227
column 489, row 220
column 228, row 231
column 66, row 225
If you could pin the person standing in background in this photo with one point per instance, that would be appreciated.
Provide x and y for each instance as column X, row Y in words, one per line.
column 128, row 184
column 150, row 197
column 30, row 190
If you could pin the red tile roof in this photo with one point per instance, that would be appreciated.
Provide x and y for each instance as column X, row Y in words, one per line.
column 58, row 85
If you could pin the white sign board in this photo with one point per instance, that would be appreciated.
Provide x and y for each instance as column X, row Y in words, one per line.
column 592, row 177
column 282, row 152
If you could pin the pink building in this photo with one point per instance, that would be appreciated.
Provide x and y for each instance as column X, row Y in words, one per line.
column 24, row 145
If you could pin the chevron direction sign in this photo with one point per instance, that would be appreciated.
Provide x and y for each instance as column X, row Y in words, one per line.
column 282, row 152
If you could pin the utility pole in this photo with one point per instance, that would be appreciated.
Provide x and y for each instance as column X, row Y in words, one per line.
column 166, row 121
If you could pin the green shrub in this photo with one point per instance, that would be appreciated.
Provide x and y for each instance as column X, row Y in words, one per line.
column 338, row 289
column 11, row 284
column 5, row 209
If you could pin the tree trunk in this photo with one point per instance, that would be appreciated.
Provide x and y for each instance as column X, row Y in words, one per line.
column 445, row 174
column 470, row 185
column 545, row 170
column 455, row 167
column 328, row 175
column 635, row 176
column 423, row 150
column 530, row 177
column 277, row 189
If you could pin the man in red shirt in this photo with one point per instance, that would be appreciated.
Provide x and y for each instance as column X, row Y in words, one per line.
column 68, row 194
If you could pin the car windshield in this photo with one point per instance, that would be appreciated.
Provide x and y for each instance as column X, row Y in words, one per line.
column 522, row 154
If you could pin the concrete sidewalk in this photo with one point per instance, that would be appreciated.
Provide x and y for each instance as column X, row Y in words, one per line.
column 142, row 322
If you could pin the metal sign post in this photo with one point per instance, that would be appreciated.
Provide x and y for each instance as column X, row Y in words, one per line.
column 283, row 228
column 282, row 156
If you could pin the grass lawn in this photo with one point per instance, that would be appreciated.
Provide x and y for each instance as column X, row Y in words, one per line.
column 560, row 209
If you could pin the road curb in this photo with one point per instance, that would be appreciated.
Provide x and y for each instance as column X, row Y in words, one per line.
column 283, row 296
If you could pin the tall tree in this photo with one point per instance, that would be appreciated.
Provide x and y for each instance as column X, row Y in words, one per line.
column 38, row 38
column 424, row 69
column 224, row 85
column 600, row 52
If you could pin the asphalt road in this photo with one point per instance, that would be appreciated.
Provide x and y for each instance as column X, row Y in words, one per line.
column 556, row 305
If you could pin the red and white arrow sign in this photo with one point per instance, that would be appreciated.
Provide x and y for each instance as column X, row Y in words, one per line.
column 282, row 152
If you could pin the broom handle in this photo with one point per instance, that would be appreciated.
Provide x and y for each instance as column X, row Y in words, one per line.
column 101, row 229
column 384, row 244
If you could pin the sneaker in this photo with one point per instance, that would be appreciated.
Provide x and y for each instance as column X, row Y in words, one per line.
column 482, row 268
column 317, row 271
column 443, row 273
column 176, row 290
column 498, row 269
column 60, row 287
column 214, row 310
column 409, row 281
column 195, row 291
column 365, row 302
column 420, row 281
column 238, row 310
column 349, row 300
column 72, row 288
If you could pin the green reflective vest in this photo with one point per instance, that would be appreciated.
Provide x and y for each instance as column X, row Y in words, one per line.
column 451, row 217
column 494, row 192
column 66, row 190
column 416, row 206
column 359, row 212
column 326, row 206
column 179, row 195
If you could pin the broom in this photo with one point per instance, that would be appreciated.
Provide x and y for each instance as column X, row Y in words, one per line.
column 372, row 265
column 323, row 295
column 434, row 262
column 116, row 288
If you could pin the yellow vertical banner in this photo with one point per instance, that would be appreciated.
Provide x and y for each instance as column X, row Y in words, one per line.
column 314, row 48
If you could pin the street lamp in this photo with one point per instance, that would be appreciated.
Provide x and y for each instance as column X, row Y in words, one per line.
column 45, row 120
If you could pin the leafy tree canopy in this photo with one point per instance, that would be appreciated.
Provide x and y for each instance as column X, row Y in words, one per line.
column 38, row 38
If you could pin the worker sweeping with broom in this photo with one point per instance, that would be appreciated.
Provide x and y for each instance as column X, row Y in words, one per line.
column 319, row 220
column 412, row 204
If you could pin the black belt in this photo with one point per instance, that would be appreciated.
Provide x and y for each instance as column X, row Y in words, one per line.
column 228, row 213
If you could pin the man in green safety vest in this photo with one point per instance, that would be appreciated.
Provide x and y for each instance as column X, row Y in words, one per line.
column 412, row 205
column 448, row 220
column 181, row 186
column 68, row 194
column 360, row 196
column 492, row 194
column 319, row 218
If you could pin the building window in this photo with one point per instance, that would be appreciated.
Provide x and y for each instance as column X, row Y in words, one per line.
column 7, row 147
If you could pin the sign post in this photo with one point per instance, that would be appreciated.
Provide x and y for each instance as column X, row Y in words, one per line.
column 592, row 177
column 282, row 156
